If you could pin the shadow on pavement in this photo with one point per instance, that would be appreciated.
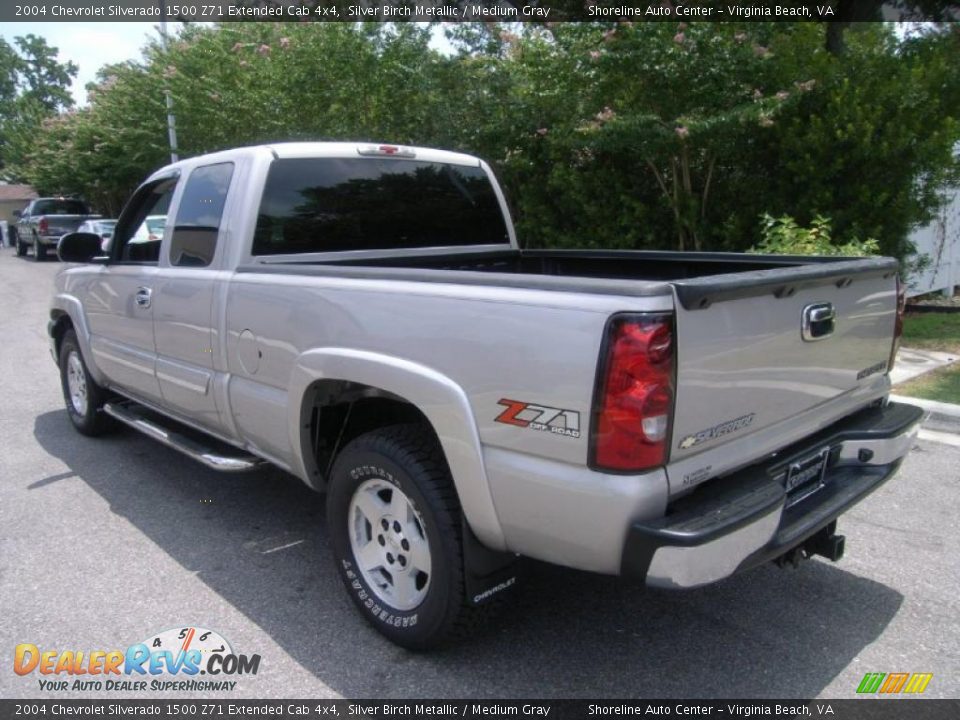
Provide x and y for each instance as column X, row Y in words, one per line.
column 767, row 633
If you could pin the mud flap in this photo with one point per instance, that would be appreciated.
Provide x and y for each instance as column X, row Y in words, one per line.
column 487, row 572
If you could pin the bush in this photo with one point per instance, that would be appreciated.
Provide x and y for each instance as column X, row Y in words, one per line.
column 783, row 236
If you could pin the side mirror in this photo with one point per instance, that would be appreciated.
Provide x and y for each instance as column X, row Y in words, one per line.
column 18, row 213
column 78, row 247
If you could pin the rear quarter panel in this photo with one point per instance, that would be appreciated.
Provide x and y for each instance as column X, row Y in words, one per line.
column 496, row 343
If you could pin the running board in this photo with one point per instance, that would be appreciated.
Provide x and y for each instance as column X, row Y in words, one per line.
column 137, row 417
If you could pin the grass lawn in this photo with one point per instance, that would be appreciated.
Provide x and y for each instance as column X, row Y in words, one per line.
column 942, row 385
column 933, row 331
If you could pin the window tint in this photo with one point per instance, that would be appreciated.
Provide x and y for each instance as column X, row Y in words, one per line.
column 60, row 207
column 137, row 229
column 327, row 204
column 198, row 219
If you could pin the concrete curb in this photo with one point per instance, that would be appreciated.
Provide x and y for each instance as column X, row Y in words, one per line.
column 912, row 363
column 943, row 417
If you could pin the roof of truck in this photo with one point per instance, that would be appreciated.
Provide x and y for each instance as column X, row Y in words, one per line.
column 328, row 150
column 357, row 149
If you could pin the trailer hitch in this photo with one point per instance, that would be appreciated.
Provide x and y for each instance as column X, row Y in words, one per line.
column 825, row 543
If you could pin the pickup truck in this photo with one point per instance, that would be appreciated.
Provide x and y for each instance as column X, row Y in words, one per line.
column 45, row 220
column 361, row 316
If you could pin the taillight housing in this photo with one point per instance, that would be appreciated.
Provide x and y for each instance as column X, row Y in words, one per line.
column 634, row 396
column 43, row 227
column 898, row 323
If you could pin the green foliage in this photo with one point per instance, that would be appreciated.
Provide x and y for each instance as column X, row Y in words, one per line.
column 33, row 86
column 932, row 331
column 621, row 135
column 783, row 236
column 872, row 147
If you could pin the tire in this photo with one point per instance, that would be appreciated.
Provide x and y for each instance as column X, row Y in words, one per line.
column 39, row 251
column 21, row 248
column 83, row 397
column 364, row 481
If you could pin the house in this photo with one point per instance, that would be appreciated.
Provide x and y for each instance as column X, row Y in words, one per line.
column 13, row 197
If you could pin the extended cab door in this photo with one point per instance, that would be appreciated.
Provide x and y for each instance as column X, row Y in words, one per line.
column 119, row 300
column 184, row 295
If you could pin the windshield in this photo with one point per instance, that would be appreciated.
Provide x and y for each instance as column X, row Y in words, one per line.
column 329, row 204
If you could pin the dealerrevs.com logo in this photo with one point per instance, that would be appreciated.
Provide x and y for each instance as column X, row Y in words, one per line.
column 173, row 660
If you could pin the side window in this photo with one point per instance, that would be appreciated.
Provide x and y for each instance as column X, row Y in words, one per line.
column 140, row 229
column 198, row 218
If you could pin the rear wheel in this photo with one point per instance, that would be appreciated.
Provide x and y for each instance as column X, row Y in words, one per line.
column 39, row 251
column 395, row 526
column 83, row 397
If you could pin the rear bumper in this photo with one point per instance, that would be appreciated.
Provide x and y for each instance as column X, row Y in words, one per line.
column 747, row 518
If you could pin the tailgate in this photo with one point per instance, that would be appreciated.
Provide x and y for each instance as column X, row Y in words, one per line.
column 743, row 362
column 63, row 224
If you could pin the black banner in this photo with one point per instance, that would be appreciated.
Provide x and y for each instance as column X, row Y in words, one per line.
column 472, row 10
column 854, row 709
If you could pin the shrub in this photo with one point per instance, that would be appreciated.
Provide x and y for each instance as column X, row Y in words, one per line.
column 783, row 236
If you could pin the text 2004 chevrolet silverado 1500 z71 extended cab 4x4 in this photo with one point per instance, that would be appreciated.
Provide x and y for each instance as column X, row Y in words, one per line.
column 361, row 316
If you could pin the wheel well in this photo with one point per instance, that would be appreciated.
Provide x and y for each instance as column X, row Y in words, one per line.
column 335, row 412
column 61, row 323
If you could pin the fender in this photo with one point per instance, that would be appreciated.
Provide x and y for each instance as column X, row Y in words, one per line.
column 439, row 398
column 74, row 310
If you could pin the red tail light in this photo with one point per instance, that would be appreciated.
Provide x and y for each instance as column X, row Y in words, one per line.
column 633, row 406
column 898, row 323
column 42, row 226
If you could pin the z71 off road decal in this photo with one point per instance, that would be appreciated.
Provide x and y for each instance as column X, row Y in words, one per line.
column 540, row 417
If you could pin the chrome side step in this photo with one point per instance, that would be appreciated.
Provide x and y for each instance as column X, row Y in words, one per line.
column 135, row 416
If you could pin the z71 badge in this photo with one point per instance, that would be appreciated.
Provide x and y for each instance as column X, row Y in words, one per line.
column 724, row 428
column 540, row 417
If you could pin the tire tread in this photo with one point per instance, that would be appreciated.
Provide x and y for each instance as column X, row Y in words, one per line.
column 414, row 447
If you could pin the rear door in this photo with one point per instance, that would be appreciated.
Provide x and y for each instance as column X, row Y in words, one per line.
column 756, row 349
column 184, row 295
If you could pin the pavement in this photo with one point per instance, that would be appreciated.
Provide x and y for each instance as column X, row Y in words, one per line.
column 912, row 363
column 106, row 542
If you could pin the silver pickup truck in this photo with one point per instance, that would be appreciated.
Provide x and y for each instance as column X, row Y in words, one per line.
column 45, row 220
column 362, row 317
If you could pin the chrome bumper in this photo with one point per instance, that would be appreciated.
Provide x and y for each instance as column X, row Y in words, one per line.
column 733, row 523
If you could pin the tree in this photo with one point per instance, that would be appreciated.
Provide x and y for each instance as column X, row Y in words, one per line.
column 872, row 147
column 652, row 135
column 33, row 85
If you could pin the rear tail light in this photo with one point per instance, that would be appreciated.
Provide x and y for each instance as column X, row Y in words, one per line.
column 43, row 226
column 898, row 323
column 633, row 404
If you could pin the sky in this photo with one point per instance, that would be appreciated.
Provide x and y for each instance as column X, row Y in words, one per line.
column 91, row 45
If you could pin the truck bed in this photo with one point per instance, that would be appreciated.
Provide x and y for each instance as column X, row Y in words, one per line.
column 700, row 279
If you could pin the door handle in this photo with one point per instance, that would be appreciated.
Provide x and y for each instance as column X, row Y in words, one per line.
column 143, row 297
column 819, row 322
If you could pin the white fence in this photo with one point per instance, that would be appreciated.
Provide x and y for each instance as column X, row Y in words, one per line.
column 940, row 241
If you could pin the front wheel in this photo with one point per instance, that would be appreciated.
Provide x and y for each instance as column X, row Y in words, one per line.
column 395, row 526
column 83, row 397
column 18, row 243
